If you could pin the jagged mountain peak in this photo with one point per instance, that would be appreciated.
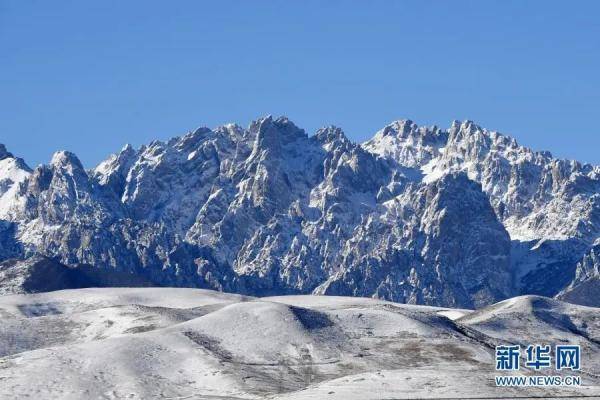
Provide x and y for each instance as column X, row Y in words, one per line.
column 4, row 153
column 330, row 133
column 462, row 216
column 401, row 127
column 13, row 172
column 235, row 131
column 62, row 159
column 281, row 123
column 466, row 125
column 201, row 131
column 332, row 137
column 406, row 143
column 127, row 148
column 407, row 130
column 274, row 132
column 10, row 161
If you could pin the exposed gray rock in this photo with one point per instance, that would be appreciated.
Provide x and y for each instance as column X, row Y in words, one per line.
column 585, row 288
column 41, row 274
column 460, row 217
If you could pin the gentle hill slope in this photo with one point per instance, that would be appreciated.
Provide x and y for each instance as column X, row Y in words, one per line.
column 162, row 342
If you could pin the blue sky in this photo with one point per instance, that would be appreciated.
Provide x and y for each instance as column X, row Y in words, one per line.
column 91, row 76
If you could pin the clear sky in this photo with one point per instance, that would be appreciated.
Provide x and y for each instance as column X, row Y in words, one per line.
column 90, row 76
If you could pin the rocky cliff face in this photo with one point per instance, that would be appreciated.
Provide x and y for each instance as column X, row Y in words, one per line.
column 459, row 217
column 585, row 287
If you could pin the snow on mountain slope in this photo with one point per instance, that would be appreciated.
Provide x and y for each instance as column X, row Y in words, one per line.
column 81, row 300
column 451, row 231
column 585, row 288
column 148, row 342
column 13, row 171
column 535, row 195
column 462, row 217
column 544, row 319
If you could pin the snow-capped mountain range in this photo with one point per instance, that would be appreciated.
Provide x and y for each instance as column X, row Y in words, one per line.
column 461, row 217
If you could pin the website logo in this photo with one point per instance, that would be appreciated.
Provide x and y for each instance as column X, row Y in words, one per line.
column 538, row 357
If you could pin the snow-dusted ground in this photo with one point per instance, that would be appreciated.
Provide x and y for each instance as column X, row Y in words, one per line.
column 189, row 343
